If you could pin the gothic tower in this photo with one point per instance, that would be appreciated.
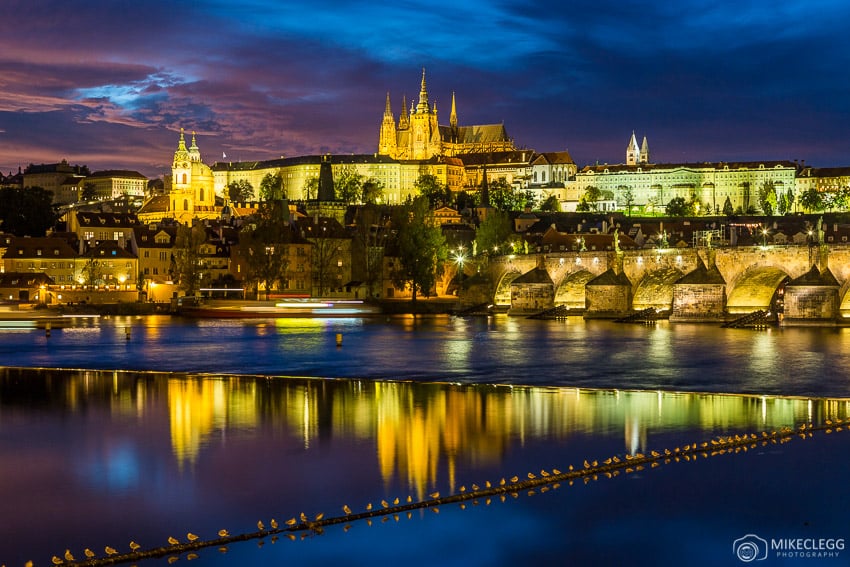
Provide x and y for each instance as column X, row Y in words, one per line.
column 644, row 151
column 632, row 151
column 387, row 142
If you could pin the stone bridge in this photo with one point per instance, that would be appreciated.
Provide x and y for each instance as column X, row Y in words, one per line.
column 751, row 276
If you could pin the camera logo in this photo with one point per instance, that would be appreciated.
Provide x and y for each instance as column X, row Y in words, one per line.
column 750, row 548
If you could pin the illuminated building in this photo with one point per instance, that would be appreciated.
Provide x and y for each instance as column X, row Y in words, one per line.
column 112, row 184
column 417, row 135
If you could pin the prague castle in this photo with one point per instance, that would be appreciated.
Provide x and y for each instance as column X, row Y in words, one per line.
column 418, row 135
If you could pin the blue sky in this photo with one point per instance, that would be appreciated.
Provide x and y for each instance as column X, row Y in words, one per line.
column 110, row 84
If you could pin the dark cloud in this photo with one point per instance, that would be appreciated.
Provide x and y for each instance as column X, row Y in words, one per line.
column 111, row 84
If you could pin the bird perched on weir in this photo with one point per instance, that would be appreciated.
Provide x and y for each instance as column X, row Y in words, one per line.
column 273, row 523
column 260, row 525
column 191, row 537
column 223, row 533
column 68, row 555
column 303, row 518
column 346, row 509
column 110, row 550
column 173, row 540
column 88, row 553
column 57, row 561
column 134, row 547
column 291, row 522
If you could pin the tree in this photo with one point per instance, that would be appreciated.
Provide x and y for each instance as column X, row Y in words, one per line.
column 188, row 261
column 465, row 200
column 504, row 198
column 678, row 207
column 27, row 211
column 264, row 245
column 370, row 238
column 348, row 186
column 551, row 204
column 240, row 191
column 789, row 197
column 728, row 210
column 327, row 238
column 591, row 197
column 91, row 273
column 767, row 198
column 421, row 247
column 628, row 198
column 494, row 231
column 311, row 188
column 272, row 187
column 811, row 200
column 372, row 191
column 430, row 187
column 89, row 192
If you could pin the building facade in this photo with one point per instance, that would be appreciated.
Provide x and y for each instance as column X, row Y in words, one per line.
column 418, row 135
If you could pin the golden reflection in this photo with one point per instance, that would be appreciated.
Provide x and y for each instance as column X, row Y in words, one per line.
column 198, row 407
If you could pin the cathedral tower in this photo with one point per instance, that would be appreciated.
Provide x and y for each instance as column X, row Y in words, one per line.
column 632, row 151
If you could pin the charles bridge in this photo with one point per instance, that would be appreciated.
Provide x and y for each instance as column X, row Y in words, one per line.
column 808, row 283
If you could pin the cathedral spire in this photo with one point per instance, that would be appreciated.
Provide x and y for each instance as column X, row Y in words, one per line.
column 181, row 144
column 644, row 151
column 632, row 151
column 387, row 110
column 194, row 145
column 453, row 116
column 423, row 95
column 404, row 118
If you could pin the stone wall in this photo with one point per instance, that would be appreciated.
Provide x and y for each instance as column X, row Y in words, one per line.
column 698, row 302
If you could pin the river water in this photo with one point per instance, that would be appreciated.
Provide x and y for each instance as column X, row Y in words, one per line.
column 158, row 427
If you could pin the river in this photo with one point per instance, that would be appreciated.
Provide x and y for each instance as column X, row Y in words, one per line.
column 159, row 427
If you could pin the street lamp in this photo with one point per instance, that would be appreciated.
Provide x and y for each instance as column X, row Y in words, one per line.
column 764, row 235
column 459, row 260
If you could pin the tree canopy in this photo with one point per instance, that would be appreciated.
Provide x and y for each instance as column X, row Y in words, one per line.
column 240, row 191
column 27, row 211
column 493, row 232
column 272, row 187
column 421, row 247
column 430, row 187
column 263, row 246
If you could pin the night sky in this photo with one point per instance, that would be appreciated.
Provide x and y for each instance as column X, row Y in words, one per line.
column 109, row 84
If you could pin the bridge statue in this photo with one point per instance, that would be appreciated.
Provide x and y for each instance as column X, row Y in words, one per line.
column 820, row 231
column 616, row 240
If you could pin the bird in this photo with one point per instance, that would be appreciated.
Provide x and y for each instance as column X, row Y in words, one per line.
column 110, row 550
column 57, row 561
column 514, row 479
column 475, row 487
column 409, row 499
column 68, row 556
column 532, row 476
column 223, row 533
column 88, row 553
column 435, row 495
column 260, row 525
column 291, row 522
column 369, row 506
column 596, row 463
column 173, row 540
column 303, row 518
column 502, row 482
column 487, row 483
column 385, row 504
column 462, row 489
column 319, row 516
column 191, row 537
column 273, row 523
column 556, row 471
column 395, row 502
column 655, row 454
column 543, row 473
column 586, row 464
column 346, row 509
column 134, row 547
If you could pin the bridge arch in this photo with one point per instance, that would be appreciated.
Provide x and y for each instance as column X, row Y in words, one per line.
column 571, row 291
column 656, row 289
column 755, row 289
column 503, row 289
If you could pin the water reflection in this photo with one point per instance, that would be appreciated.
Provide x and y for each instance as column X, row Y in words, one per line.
column 183, row 450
